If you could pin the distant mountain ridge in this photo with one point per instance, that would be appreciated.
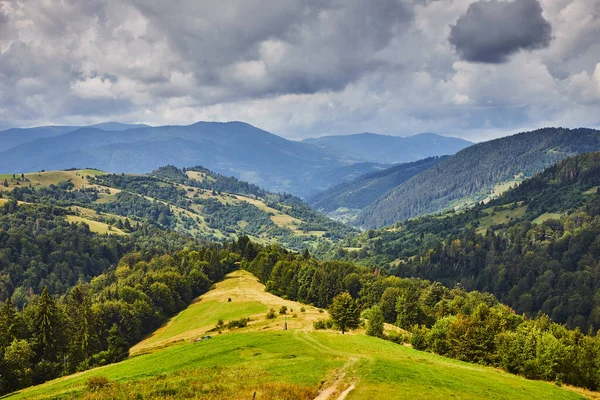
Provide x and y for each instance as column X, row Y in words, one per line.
column 230, row 148
column 347, row 199
column 389, row 149
column 472, row 174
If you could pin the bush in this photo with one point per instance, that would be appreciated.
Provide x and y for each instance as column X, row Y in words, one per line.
column 302, row 309
column 324, row 324
column 283, row 310
column 419, row 337
column 271, row 314
column 238, row 323
column 397, row 337
column 96, row 383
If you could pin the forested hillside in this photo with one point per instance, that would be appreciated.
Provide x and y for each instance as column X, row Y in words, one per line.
column 349, row 198
column 477, row 173
column 196, row 202
column 536, row 247
column 96, row 319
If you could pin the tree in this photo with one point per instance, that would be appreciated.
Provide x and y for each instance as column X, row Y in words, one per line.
column 46, row 324
column 388, row 304
column 5, row 182
column 17, row 360
column 344, row 312
column 375, row 327
column 118, row 347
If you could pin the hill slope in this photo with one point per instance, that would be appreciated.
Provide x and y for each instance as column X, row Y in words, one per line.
column 533, row 247
column 265, row 361
column 389, row 149
column 359, row 193
column 197, row 202
column 475, row 173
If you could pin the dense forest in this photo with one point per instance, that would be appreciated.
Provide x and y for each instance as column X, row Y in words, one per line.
column 471, row 174
column 95, row 320
column 366, row 189
column 536, row 248
column 469, row 326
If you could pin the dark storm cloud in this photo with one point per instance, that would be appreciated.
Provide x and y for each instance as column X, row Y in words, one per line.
column 491, row 31
column 324, row 44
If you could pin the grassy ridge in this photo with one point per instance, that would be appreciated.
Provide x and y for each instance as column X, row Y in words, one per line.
column 297, row 363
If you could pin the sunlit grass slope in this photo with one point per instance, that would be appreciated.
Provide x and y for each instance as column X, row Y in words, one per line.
column 298, row 363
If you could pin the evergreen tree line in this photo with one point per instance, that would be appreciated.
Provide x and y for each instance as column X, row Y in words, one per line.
column 95, row 323
column 469, row 326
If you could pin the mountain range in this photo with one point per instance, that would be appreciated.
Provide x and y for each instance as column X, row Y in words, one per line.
column 232, row 148
column 478, row 173
column 388, row 149
column 346, row 200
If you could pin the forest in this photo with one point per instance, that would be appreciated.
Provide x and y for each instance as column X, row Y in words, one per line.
column 469, row 326
column 470, row 175
column 545, row 266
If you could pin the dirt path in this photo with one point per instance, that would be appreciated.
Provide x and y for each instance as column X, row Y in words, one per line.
column 336, row 385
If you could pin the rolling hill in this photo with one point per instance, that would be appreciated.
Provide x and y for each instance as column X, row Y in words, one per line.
column 478, row 173
column 346, row 200
column 389, row 149
column 265, row 362
column 196, row 202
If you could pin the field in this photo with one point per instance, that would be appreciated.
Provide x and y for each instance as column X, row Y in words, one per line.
column 545, row 217
column 96, row 226
column 78, row 177
column 267, row 362
column 506, row 214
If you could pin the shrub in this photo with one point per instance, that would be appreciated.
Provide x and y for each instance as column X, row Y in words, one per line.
column 302, row 309
column 283, row 310
column 324, row 324
column 238, row 323
column 95, row 383
column 397, row 337
column 271, row 314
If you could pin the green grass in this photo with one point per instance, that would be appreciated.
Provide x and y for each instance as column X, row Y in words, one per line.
column 499, row 217
column 96, row 226
column 278, row 364
column 545, row 217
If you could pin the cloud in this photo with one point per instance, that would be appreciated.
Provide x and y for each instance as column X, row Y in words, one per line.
column 302, row 67
column 491, row 30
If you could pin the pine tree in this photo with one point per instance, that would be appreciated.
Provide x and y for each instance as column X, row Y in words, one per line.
column 5, row 182
column 344, row 312
column 46, row 324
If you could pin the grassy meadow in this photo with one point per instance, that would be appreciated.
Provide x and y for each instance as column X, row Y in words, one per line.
column 265, row 361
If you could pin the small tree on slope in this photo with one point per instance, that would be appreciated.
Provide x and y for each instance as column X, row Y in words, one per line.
column 344, row 312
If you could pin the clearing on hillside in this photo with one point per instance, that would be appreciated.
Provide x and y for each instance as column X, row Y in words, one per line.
column 267, row 362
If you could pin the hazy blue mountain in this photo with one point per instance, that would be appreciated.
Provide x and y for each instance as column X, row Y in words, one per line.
column 361, row 192
column 117, row 126
column 13, row 137
column 389, row 149
column 232, row 148
column 472, row 174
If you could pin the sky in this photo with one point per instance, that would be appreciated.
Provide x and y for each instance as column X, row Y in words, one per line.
column 300, row 68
